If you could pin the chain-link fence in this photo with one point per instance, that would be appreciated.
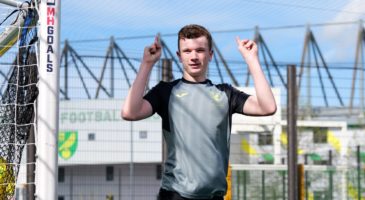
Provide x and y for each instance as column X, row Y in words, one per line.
column 316, row 183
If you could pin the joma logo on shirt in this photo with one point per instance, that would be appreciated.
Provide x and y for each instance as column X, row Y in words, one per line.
column 181, row 94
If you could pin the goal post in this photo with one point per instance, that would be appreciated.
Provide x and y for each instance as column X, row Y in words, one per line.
column 11, row 3
column 29, row 31
column 19, row 54
column 29, row 47
column 48, row 100
column 11, row 35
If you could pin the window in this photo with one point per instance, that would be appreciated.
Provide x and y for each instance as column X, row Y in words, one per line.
column 91, row 136
column 320, row 162
column 61, row 198
column 320, row 195
column 320, row 135
column 158, row 172
column 265, row 139
column 109, row 173
column 143, row 135
column 61, row 174
column 266, row 162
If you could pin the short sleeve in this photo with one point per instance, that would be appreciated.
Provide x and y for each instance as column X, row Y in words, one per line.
column 237, row 100
column 153, row 96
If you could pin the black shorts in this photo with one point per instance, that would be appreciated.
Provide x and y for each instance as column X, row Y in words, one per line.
column 168, row 195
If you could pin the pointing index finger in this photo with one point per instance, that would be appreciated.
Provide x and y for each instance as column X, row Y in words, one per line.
column 158, row 39
column 157, row 42
column 238, row 40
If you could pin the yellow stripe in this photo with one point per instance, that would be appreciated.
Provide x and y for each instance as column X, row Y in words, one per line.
column 246, row 147
column 68, row 143
column 334, row 141
column 8, row 46
column 15, row 34
column 284, row 141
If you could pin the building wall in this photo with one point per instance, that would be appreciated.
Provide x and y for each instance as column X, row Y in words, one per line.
column 114, row 138
column 90, row 182
column 85, row 169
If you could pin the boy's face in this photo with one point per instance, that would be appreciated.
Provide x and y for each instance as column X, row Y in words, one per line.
column 195, row 55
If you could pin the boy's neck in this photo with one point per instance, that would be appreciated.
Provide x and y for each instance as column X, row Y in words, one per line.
column 197, row 79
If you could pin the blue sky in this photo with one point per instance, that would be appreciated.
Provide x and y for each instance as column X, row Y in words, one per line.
column 99, row 20
column 95, row 19
column 282, row 24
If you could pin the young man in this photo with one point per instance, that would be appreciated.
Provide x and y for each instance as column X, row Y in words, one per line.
column 196, row 114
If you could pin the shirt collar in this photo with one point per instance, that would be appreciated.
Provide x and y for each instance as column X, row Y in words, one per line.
column 191, row 82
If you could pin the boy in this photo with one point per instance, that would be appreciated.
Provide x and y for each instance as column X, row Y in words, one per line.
column 196, row 114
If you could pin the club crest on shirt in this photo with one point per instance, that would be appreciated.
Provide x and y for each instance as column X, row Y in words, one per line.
column 216, row 96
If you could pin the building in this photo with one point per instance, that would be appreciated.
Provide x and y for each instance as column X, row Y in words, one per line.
column 95, row 145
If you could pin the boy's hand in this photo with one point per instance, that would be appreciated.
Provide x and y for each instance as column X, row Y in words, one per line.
column 248, row 49
column 152, row 53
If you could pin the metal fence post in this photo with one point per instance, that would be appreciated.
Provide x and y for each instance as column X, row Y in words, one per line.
column 292, row 134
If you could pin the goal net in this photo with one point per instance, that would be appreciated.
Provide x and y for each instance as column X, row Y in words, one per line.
column 18, row 89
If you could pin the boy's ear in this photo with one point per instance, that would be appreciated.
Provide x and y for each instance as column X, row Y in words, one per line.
column 178, row 55
column 211, row 55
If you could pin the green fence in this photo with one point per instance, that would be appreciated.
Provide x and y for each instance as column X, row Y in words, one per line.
column 269, row 182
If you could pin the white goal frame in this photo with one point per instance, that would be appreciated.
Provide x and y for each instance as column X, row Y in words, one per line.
column 48, row 99
column 48, row 86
